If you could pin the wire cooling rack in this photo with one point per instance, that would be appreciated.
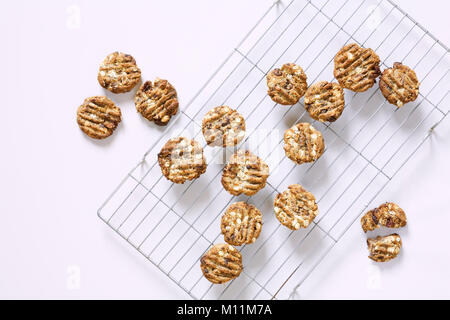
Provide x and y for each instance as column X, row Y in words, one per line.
column 173, row 225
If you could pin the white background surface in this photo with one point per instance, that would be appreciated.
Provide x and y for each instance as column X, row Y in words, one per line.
column 53, row 178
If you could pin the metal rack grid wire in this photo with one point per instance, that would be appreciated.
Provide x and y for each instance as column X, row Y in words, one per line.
column 173, row 225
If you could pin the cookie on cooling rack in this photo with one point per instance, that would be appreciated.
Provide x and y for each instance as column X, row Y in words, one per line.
column 303, row 143
column 221, row 263
column 98, row 117
column 223, row 126
column 325, row 101
column 295, row 208
column 157, row 101
column 241, row 224
column 399, row 85
column 287, row 85
column 383, row 249
column 387, row 215
column 356, row 68
column 182, row 159
column 119, row 73
column 245, row 173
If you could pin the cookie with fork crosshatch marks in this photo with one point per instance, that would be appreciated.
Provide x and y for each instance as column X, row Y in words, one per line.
column 399, row 85
column 182, row 159
column 287, row 85
column 387, row 215
column 221, row 263
column 98, row 117
column 303, row 143
column 119, row 73
column 295, row 208
column 223, row 126
column 245, row 173
column 356, row 68
column 383, row 249
column 324, row 101
column 241, row 224
column 157, row 101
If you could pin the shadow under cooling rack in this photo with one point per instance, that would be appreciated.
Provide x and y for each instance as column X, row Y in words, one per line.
column 173, row 225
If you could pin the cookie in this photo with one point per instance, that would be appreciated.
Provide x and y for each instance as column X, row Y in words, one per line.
column 383, row 249
column 157, row 101
column 223, row 126
column 241, row 224
column 244, row 173
column 182, row 159
column 98, row 117
column 221, row 263
column 303, row 143
column 325, row 101
column 119, row 73
column 399, row 85
column 287, row 85
column 295, row 208
column 387, row 215
column 356, row 68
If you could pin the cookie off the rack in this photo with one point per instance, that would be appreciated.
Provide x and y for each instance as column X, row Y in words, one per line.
column 119, row 73
column 388, row 215
column 182, row 159
column 98, row 117
column 383, row 249
column 241, row 224
column 287, row 85
column 221, row 263
column 157, row 101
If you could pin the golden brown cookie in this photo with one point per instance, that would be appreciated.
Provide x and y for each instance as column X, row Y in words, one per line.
column 387, row 215
column 295, row 208
column 383, row 249
column 399, row 85
column 287, row 85
column 241, row 224
column 221, row 263
column 244, row 173
column 356, row 68
column 325, row 101
column 303, row 143
column 223, row 126
column 157, row 101
column 119, row 73
column 98, row 117
column 182, row 159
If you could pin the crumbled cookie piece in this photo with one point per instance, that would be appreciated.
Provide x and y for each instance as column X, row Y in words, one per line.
column 245, row 173
column 399, row 85
column 119, row 73
column 387, row 215
column 325, row 101
column 295, row 208
column 303, row 143
column 383, row 249
column 98, row 117
column 182, row 159
column 356, row 68
column 223, row 126
column 241, row 224
column 221, row 263
column 287, row 85
column 157, row 101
